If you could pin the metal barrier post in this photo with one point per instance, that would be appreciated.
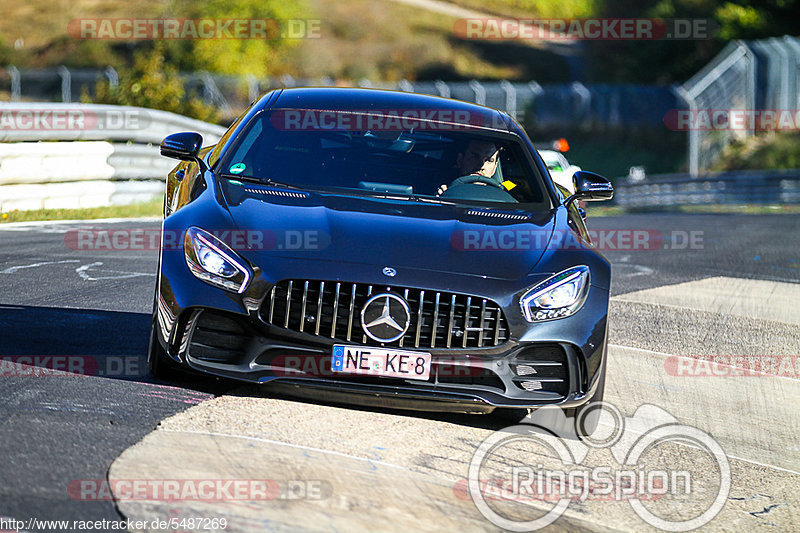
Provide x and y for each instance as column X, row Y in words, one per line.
column 480, row 92
column 444, row 90
column 16, row 85
column 511, row 98
column 112, row 76
column 66, row 84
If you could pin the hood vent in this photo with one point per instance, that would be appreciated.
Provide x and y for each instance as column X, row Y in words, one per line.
column 277, row 192
column 496, row 214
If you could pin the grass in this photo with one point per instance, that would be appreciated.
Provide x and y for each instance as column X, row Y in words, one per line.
column 144, row 209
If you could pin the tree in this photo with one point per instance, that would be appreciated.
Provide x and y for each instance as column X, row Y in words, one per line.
column 155, row 84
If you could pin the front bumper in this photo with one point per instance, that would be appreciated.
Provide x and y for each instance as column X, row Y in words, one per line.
column 224, row 334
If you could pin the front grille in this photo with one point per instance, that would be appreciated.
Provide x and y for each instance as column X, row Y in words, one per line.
column 333, row 309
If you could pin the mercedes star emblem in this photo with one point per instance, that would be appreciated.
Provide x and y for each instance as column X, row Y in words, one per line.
column 385, row 317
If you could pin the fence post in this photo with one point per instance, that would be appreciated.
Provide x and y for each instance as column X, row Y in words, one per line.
column 783, row 97
column 480, row 92
column 584, row 96
column 16, row 85
column 794, row 97
column 252, row 87
column 212, row 94
column 694, row 135
column 405, row 86
column 66, row 84
column 511, row 98
column 444, row 90
column 750, row 58
column 112, row 76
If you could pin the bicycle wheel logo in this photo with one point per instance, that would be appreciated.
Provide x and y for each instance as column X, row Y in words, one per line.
column 675, row 477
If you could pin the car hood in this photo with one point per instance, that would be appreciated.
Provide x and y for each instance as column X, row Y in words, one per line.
column 395, row 232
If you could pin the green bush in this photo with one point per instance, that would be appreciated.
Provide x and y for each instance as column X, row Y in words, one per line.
column 768, row 151
column 155, row 84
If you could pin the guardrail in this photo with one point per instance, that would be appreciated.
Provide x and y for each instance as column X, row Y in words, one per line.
column 735, row 187
column 92, row 155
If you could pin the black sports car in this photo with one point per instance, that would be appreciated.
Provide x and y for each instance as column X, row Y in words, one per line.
column 381, row 247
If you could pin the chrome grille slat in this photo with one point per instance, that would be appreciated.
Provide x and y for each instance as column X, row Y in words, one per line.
column 350, row 315
column 419, row 317
column 431, row 311
column 303, row 307
column 497, row 325
column 369, row 293
column 435, row 319
column 483, row 322
column 271, row 304
column 335, row 310
column 288, row 305
column 466, row 322
column 319, row 307
column 405, row 295
column 451, row 322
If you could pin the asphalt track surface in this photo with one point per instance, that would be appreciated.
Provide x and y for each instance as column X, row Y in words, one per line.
column 56, row 302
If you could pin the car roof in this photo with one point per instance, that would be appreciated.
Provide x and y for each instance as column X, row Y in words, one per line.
column 360, row 99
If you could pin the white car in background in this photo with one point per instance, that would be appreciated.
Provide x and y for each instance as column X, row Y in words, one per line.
column 560, row 169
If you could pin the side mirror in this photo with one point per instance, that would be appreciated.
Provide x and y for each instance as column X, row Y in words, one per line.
column 184, row 146
column 590, row 187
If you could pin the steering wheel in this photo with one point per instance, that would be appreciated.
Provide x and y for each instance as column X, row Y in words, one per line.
column 476, row 178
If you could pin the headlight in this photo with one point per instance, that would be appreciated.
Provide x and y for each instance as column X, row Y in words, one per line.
column 556, row 297
column 213, row 261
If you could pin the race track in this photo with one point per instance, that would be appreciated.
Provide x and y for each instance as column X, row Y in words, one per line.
column 724, row 286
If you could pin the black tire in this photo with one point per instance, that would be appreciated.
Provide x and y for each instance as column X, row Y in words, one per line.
column 158, row 364
column 586, row 417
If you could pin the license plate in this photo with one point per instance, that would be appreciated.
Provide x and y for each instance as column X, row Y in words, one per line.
column 381, row 362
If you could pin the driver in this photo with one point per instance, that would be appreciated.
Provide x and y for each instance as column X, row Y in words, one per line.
column 480, row 158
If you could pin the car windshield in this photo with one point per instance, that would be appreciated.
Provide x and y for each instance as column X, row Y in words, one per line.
column 552, row 160
column 444, row 162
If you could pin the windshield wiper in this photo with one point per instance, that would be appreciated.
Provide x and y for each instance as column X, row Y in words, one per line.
column 259, row 181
